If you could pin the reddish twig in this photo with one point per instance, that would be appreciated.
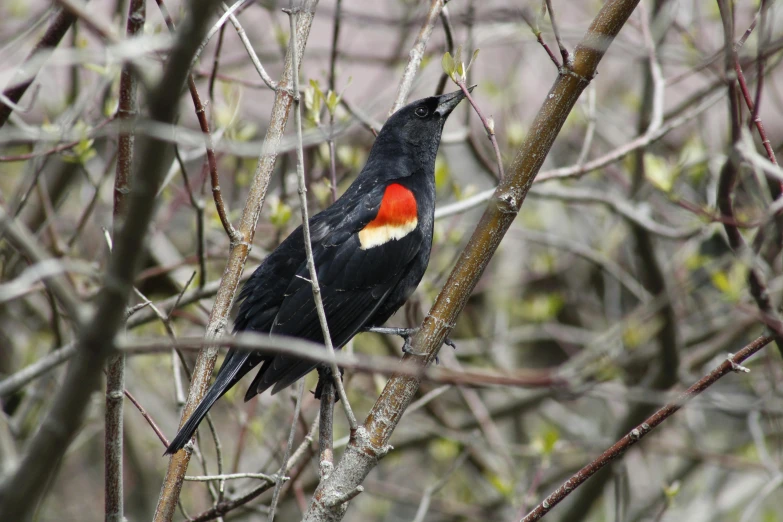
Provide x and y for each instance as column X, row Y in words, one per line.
column 532, row 22
column 563, row 51
column 214, row 177
column 731, row 364
column 148, row 418
column 753, row 108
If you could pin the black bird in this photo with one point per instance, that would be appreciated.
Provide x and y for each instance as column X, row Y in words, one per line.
column 371, row 248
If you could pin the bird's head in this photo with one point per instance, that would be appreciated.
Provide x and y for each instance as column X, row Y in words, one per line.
column 422, row 121
column 416, row 127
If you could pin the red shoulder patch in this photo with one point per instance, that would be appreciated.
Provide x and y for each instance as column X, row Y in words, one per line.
column 397, row 217
column 398, row 207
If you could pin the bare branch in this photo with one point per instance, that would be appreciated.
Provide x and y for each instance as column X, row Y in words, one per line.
column 319, row 305
column 214, row 177
column 230, row 476
column 18, row 380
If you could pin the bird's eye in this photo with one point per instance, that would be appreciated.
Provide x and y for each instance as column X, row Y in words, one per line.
column 421, row 112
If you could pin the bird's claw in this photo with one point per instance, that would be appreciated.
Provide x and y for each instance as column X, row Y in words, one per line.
column 407, row 334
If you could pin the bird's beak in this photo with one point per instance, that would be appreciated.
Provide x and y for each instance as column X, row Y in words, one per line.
column 447, row 102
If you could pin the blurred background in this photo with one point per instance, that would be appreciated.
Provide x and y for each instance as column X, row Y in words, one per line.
column 616, row 277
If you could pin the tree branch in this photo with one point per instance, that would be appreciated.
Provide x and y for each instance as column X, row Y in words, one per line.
column 416, row 55
column 25, row 75
column 127, row 113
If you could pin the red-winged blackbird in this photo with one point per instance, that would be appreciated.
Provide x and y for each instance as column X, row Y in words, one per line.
column 371, row 248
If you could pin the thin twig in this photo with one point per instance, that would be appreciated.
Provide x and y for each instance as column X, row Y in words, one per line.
column 289, row 446
column 338, row 8
column 216, row 64
column 563, row 51
column 416, row 54
column 230, row 476
column 251, row 52
column 333, row 88
column 319, row 306
column 20, row 379
column 591, row 123
column 532, row 22
column 489, row 127
column 217, row 26
column 148, row 418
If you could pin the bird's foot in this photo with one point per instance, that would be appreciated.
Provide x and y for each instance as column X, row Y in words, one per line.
column 407, row 334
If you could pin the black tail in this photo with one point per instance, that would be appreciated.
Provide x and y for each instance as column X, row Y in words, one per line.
column 234, row 368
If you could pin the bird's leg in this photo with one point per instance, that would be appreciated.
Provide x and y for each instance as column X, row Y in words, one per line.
column 407, row 334
column 325, row 376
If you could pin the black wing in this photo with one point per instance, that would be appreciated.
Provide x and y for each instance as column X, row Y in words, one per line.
column 354, row 283
column 278, row 296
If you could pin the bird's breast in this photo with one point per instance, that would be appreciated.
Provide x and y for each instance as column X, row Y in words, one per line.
column 397, row 217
